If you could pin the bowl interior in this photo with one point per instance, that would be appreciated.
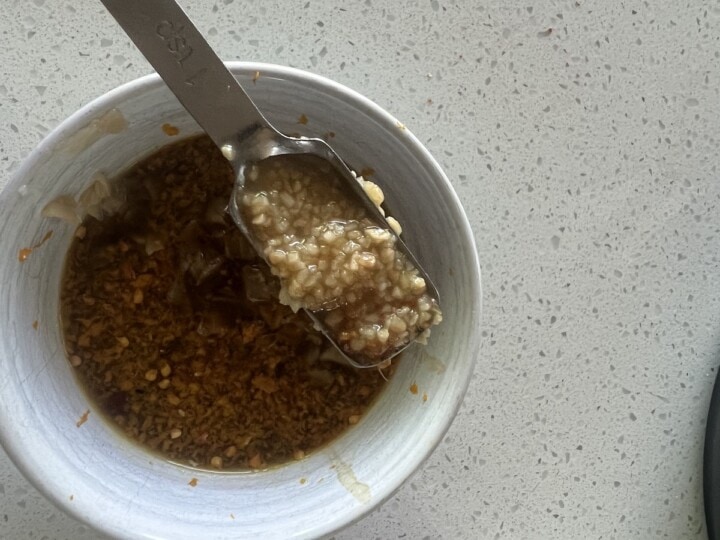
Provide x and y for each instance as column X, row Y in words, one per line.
column 117, row 487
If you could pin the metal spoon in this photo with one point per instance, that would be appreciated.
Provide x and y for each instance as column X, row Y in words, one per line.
column 209, row 92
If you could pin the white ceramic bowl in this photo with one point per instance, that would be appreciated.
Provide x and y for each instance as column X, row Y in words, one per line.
column 97, row 476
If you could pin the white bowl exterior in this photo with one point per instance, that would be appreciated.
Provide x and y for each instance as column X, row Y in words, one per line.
column 103, row 479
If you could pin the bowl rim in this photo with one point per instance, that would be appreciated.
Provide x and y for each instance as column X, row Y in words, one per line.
column 78, row 119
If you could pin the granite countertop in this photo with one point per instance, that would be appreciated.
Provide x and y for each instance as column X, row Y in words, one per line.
column 582, row 138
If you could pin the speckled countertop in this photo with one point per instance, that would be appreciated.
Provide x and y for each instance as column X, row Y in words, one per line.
column 582, row 137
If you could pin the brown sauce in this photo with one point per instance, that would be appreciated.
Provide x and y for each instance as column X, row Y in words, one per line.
column 173, row 326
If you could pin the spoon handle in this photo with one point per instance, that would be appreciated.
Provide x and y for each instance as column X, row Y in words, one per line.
column 191, row 69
